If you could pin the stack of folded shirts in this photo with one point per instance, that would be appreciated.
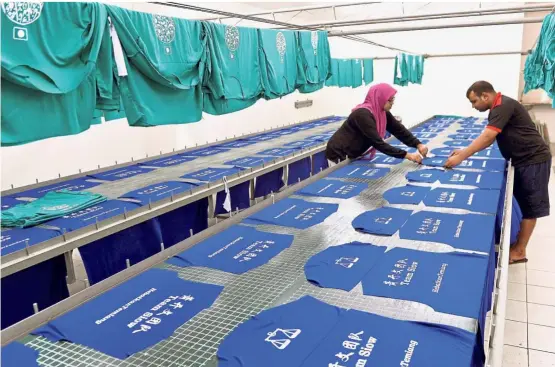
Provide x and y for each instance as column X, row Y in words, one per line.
column 53, row 205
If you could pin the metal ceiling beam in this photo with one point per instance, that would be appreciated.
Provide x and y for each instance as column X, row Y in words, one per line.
column 437, row 26
column 469, row 13
column 302, row 8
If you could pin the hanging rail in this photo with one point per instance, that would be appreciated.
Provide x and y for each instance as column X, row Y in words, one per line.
column 433, row 16
column 437, row 26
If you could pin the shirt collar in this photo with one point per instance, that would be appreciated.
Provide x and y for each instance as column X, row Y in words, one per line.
column 497, row 101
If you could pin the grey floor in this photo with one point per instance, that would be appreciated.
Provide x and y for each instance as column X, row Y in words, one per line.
column 530, row 321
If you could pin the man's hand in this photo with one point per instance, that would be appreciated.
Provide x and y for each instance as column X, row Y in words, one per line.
column 456, row 157
column 455, row 152
column 415, row 157
column 422, row 149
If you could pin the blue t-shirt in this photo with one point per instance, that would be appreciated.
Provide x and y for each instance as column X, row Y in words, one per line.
column 159, row 191
column 343, row 266
column 16, row 239
column 122, row 173
column 278, row 152
column 19, row 355
column 451, row 283
column 425, row 175
column 425, row 135
column 482, row 164
column 481, row 201
column 10, row 201
column 236, row 250
column 457, row 143
column 211, row 174
column 308, row 332
column 92, row 215
column 360, row 171
column 78, row 184
column 173, row 160
column 206, row 152
column 294, row 213
column 333, row 189
column 240, row 143
column 408, row 194
column 249, row 162
column 302, row 144
column 134, row 315
column 263, row 137
column 382, row 159
column 482, row 180
column 464, row 231
column 383, row 221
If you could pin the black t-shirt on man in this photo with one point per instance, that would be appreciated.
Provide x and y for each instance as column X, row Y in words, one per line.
column 518, row 138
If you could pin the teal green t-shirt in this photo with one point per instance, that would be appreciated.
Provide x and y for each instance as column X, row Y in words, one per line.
column 333, row 80
column 54, row 204
column 233, row 78
column 278, row 62
column 165, row 59
column 54, row 66
column 356, row 65
column 368, row 65
column 314, row 61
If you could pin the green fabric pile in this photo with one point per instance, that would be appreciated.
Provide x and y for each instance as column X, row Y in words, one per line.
column 408, row 69
column 539, row 70
column 53, row 205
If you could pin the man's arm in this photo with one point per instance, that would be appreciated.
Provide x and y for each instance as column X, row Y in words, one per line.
column 482, row 142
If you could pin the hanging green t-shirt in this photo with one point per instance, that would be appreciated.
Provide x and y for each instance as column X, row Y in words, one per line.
column 333, row 80
column 51, row 68
column 233, row 78
column 165, row 60
column 314, row 60
column 356, row 65
column 368, row 65
column 346, row 77
column 278, row 62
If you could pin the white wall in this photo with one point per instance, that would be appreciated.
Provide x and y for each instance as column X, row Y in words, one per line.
column 442, row 92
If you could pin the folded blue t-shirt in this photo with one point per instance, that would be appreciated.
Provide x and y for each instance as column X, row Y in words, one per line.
column 384, row 221
column 15, row 239
column 482, row 180
column 294, row 213
column 173, row 160
column 480, row 201
column 278, row 152
column 249, row 162
column 236, row 250
column 302, row 144
column 205, row 152
column 343, row 266
column 451, row 283
column 381, row 159
column 122, row 173
column 425, row 175
column 360, row 171
column 134, row 315
column 482, row 164
column 211, row 174
column 19, row 355
column 408, row 194
column 159, row 191
column 333, row 189
column 472, row 232
column 240, row 143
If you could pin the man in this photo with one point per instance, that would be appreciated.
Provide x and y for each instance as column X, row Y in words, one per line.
column 518, row 140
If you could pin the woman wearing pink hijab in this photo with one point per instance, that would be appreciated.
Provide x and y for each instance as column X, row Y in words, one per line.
column 365, row 128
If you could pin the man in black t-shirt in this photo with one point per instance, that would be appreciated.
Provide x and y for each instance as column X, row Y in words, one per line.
column 518, row 140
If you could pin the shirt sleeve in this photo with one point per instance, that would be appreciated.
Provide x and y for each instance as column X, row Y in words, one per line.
column 499, row 117
column 401, row 132
column 367, row 125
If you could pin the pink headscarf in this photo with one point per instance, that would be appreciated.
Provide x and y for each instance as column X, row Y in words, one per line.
column 375, row 101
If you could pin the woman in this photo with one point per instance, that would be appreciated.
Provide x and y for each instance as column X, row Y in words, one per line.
column 365, row 129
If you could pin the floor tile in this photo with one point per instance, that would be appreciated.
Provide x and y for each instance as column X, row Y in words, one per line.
column 541, row 338
column 540, row 278
column 541, row 315
column 540, row 295
column 540, row 359
column 516, row 311
column 517, row 292
column 514, row 356
column 516, row 334
column 517, row 273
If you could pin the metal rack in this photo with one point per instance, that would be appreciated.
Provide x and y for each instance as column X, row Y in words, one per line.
column 280, row 280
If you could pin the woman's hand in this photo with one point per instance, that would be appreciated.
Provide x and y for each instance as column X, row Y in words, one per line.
column 415, row 157
column 422, row 149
